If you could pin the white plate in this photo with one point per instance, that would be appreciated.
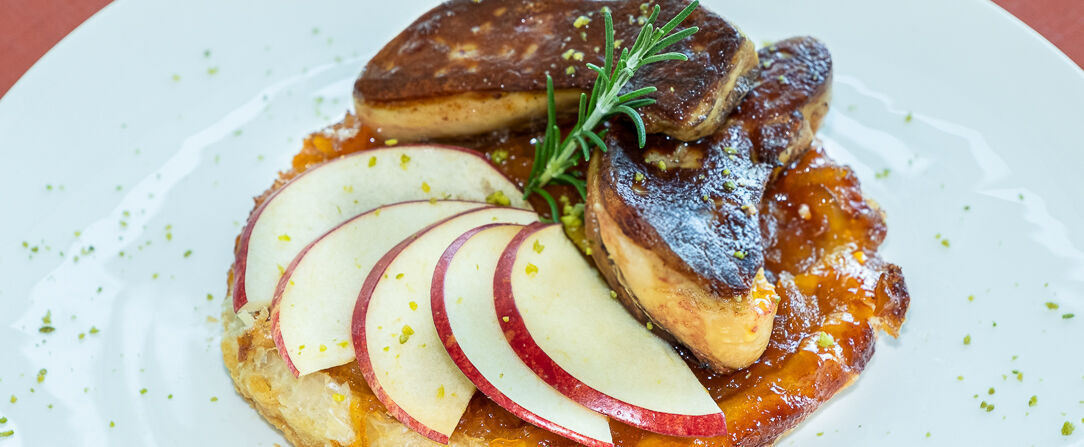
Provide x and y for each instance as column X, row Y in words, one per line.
column 997, row 116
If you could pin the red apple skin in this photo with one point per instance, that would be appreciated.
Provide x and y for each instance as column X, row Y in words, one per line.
column 444, row 330
column 280, row 288
column 358, row 331
column 709, row 425
column 241, row 259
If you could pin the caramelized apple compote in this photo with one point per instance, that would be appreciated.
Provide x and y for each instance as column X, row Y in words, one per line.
column 821, row 238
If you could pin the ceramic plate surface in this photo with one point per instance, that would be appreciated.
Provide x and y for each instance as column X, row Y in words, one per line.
column 132, row 150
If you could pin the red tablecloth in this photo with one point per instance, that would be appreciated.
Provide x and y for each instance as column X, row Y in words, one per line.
column 28, row 28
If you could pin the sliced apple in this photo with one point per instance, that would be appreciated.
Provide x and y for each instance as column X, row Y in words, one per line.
column 310, row 314
column 561, row 320
column 325, row 196
column 394, row 336
column 466, row 321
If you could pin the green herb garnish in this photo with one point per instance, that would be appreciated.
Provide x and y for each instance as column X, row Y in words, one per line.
column 554, row 155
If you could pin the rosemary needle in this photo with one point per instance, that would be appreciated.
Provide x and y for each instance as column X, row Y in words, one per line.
column 554, row 155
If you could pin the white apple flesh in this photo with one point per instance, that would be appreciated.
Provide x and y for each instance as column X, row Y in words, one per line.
column 395, row 340
column 466, row 322
column 325, row 196
column 315, row 298
column 560, row 319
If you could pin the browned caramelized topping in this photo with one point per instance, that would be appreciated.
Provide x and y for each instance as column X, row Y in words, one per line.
column 498, row 46
column 695, row 204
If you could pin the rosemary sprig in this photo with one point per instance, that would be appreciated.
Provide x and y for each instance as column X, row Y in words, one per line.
column 554, row 155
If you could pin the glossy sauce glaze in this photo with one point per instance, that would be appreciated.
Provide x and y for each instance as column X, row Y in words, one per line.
column 820, row 238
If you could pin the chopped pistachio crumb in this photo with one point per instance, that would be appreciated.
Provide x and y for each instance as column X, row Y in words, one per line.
column 1067, row 428
column 372, row 161
column 531, row 270
column 967, row 339
column 405, row 335
column 538, row 247
column 498, row 198
column 499, row 156
column 1033, row 401
column 825, row 340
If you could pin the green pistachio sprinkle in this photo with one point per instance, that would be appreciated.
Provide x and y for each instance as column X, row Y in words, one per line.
column 825, row 340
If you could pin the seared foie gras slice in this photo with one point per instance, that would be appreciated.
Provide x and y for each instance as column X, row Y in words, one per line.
column 674, row 226
column 469, row 67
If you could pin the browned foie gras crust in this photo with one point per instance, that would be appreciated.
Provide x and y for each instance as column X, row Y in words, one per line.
column 674, row 225
column 468, row 67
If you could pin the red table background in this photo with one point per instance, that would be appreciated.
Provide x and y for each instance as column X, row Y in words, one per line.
column 29, row 28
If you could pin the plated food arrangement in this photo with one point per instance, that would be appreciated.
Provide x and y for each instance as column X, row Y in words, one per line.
column 559, row 223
